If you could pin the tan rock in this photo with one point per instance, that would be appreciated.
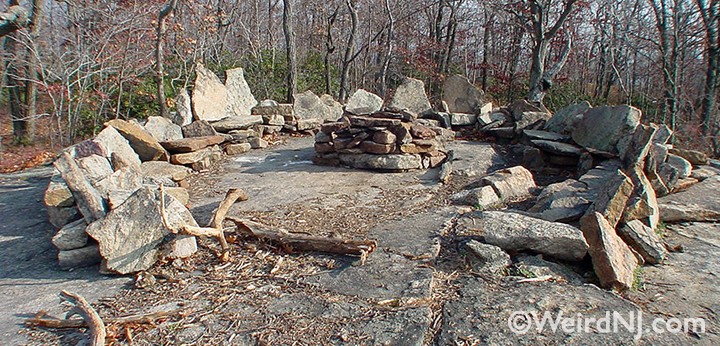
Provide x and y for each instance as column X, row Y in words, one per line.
column 512, row 182
column 384, row 137
column 144, row 144
column 611, row 201
column 209, row 97
column 237, row 149
column 376, row 148
column 695, row 157
column 612, row 259
column 187, row 145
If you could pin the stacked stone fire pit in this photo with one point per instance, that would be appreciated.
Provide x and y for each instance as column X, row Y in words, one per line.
column 385, row 140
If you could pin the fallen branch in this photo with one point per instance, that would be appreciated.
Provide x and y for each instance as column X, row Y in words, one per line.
column 304, row 242
column 41, row 319
column 91, row 317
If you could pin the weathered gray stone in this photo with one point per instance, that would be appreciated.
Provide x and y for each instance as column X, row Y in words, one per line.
column 309, row 124
column 684, row 167
column 76, row 258
column 186, row 145
column 669, row 176
column 61, row 216
column 516, row 232
column 200, row 128
column 113, row 142
column 237, row 149
column 518, row 107
column 607, row 128
column 384, row 137
column 462, row 96
column 238, row 122
column 164, row 172
column 639, row 146
column 612, row 259
column 536, row 266
column 510, row 183
column 530, row 120
column 657, row 154
column 71, row 236
column 662, row 135
column 274, row 120
column 703, row 172
column 644, row 241
column 411, row 95
column 695, row 157
column 258, row 143
column 183, row 104
column 485, row 117
column 557, row 148
column 163, row 129
column 563, row 202
column 564, row 120
column 545, row 136
column 144, row 144
column 209, row 97
column 334, row 108
column 88, row 199
column 381, row 162
column 240, row 99
column 363, row 102
column 130, row 235
column 486, row 258
column 270, row 107
column 611, row 201
column 57, row 193
column 462, row 119
column 95, row 168
column 373, row 122
column 700, row 202
column 191, row 157
column 481, row 197
column 376, row 148
column 310, row 106
column 128, row 178
column 643, row 204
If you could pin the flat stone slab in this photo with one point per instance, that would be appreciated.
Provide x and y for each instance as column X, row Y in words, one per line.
column 545, row 136
column 416, row 236
column 700, row 202
column 187, row 145
column 557, row 148
column 474, row 159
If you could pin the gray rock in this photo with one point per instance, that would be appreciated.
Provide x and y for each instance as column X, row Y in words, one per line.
column 657, row 154
column 474, row 159
column 564, row 120
column 363, row 102
column 644, row 241
column 557, row 148
column 163, row 129
column 612, row 259
column 516, row 232
column 530, row 120
column 273, row 120
column 684, row 167
column 669, row 175
column 643, row 204
column 532, row 158
column 95, row 168
column 334, row 109
column 381, row 162
column 158, row 172
column 481, row 197
column 510, row 183
column 411, row 95
column 535, row 266
column 184, row 108
column 695, row 157
column 242, row 122
column 703, row 172
column 462, row 96
column 639, row 146
column 192, row 157
column 129, row 236
column 486, row 114
column 88, row 199
column 607, row 128
column 462, row 119
column 128, row 179
column 113, row 142
column 145, row 145
column 662, row 135
column 71, row 236
column 518, row 107
column 545, row 136
column 61, row 216
column 240, row 99
column 309, row 106
column 612, row 198
column 258, row 143
column 309, row 124
column 57, row 193
column 485, row 258
column 416, row 236
column 200, row 128
column 209, row 97
column 77, row 258
column 700, row 202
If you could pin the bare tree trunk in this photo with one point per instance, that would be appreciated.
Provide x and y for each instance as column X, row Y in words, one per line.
column 159, row 58
column 710, row 12
column 329, row 49
column 290, row 50
column 382, row 88
column 349, row 51
column 486, row 47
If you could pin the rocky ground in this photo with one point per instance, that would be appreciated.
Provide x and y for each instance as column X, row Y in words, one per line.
column 418, row 288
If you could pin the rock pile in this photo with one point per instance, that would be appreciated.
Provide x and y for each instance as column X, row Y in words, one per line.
column 388, row 140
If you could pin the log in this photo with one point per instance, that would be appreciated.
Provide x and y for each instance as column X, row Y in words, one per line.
column 304, row 242
column 41, row 319
column 94, row 322
column 89, row 201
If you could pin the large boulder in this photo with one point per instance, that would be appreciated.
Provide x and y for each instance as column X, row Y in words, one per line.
column 89, row 201
column 510, row 183
column 461, row 96
column 309, row 106
column 608, row 128
column 516, row 232
column 564, row 201
column 240, row 99
column 145, row 145
column 564, row 120
column 130, row 236
column 209, row 98
column 363, row 102
column 411, row 95
column 111, row 141
column 163, row 129
column 199, row 128
column 334, row 109
column 612, row 259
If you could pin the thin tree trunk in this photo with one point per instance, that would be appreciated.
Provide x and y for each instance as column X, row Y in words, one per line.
column 290, row 50
column 159, row 63
column 349, row 51
column 329, row 49
column 382, row 89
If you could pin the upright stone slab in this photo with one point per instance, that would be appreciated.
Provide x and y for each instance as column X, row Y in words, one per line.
column 130, row 236
column 88, row 199
column 113, row 142
column 309, row 106
column 145, row 145
column 462, row 96
column 240, row 99
column 363, row 102
column 334, row 108
column 644, row 241
column 209, row 98
column 183, row 104
column 564, row 120
column 608, row 128
column 411, row 95
column 611, row 201
column 163, row 129
column 612, row 259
